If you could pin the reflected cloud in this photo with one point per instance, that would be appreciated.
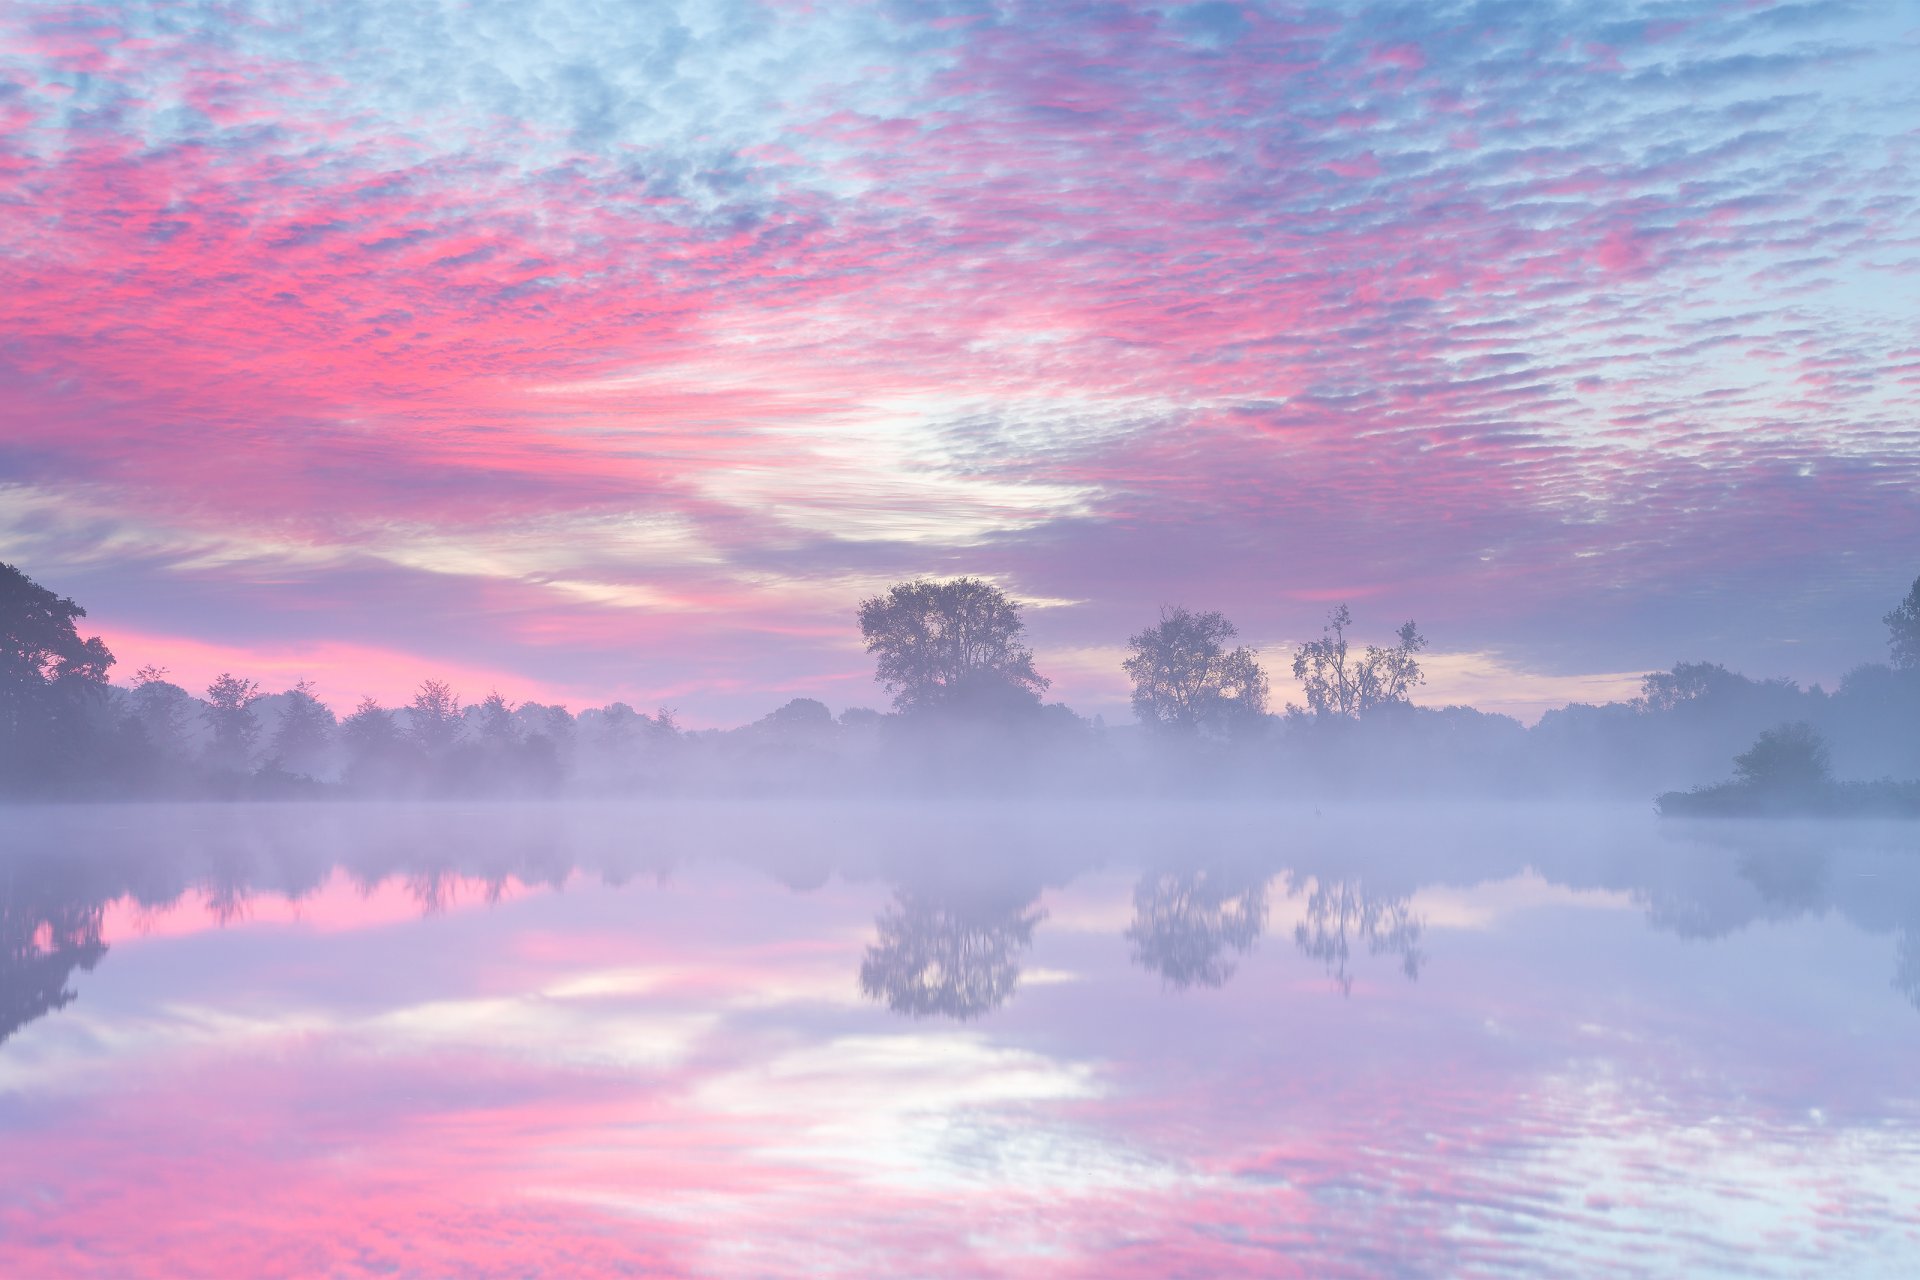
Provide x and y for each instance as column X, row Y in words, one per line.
column 679, row 1077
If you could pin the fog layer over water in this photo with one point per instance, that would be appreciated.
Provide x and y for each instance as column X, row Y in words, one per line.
column 797, row 1039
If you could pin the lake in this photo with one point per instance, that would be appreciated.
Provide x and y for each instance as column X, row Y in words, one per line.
column 791, row 1039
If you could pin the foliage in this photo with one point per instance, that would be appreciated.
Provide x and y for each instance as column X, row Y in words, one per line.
column 1704, row 685
column 230, row 715
column 1186, row 681
column 1340, row 686
column 1790, row 758
column 433, row 718
column 163, row 712
column 1787, row 772
column 1903, row 631
column 305, row 731
column 51, row 681
column 494, row 721
column 950, row 644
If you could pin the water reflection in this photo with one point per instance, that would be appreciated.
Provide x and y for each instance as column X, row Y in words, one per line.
column 1189, row 925
column 43, row 940
column 939, row 948
column 1343, row 911
column 1906, row 970
column 954, row 955
column 871, row 1044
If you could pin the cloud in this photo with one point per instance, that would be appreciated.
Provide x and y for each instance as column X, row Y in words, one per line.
column 1568, row 330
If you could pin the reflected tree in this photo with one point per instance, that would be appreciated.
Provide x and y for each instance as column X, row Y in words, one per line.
column 1344, row 912
column 41, row 945
column 1188, row 926
column 946, row 958
column 1906, row 969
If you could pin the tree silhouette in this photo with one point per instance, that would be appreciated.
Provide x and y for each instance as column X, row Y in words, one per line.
column 433, row 718
column 1188, row 925
column 374, row 745
column 235, row 726
column 51, row 683
column 1186, row 681
column 164, row 713
column 493, row 721
column 305, row 731
column 950, row 644
column 1903, row 630
column 1791, row 758
column 1341, row 686
column 957, row 960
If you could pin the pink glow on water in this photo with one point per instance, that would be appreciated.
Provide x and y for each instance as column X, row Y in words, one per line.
column 531, row 1113
column 341, row 904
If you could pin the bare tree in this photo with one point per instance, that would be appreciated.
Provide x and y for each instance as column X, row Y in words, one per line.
column 1341, row 686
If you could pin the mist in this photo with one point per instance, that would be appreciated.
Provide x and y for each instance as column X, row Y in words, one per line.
column 963, row 712
column 832, row 991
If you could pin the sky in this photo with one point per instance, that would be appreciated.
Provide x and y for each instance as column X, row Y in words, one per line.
column 596, row 350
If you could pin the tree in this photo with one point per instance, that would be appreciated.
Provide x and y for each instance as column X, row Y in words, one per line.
column 1343, row 687
column 1186, row 681
column 50, row 680
column 433, row 719
column 305, row 731
column 1903, row 630
column 164, row 712
column 494, row 720
column 951, row 644
column 235, row 726
column 1687, row 683
column 802, row 721
column 377, row 752
column 1790, row 758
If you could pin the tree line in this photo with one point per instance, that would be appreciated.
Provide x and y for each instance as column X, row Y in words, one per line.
column 968, row 708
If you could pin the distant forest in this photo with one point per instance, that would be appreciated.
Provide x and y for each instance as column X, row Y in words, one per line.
column 969, row 712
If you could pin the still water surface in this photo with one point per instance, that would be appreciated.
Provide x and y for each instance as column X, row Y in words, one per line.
column 799, row 1040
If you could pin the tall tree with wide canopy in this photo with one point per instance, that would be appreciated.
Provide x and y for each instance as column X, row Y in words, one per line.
column 1186, row 681
column 49, row 676
column 950, row 644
